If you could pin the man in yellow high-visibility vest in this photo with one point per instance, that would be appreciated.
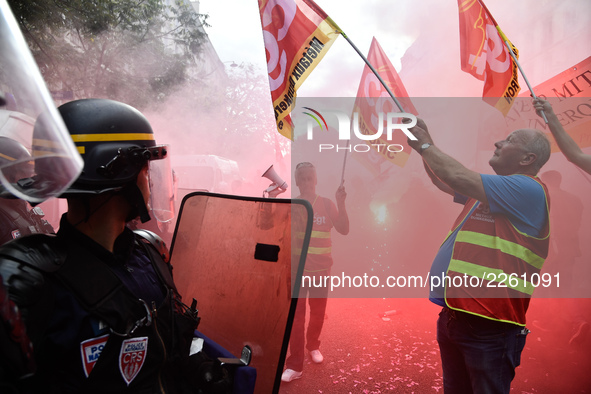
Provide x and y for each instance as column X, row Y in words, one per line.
column 501, row 238
column 318, row 263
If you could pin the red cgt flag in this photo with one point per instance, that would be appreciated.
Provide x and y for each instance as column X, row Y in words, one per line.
column 297, row 35
column 373, row 99
column 484, row 54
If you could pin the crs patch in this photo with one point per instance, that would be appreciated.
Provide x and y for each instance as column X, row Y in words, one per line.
column 91, row 350
column 131, row 357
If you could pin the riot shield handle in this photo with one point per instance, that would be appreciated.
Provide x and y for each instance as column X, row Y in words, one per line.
column 244, row 359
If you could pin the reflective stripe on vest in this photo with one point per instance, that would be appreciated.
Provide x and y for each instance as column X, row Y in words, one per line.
column 316, row 235
column 505, row 246
column 317, row 238
column 319, row 256
column 490, row 275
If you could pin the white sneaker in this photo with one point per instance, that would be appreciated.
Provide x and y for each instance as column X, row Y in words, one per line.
column 290, row 374
column 316, row 356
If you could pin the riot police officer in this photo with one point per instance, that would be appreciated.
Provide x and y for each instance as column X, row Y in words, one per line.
column 99, row 300
column 26, row 96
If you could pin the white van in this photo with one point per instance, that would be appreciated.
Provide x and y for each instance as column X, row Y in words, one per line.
column 210, row 173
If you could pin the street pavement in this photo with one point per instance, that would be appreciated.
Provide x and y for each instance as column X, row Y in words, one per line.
column 365, row 352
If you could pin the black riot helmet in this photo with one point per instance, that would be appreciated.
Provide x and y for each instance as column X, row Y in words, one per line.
column 16, row 158
column 116, row 142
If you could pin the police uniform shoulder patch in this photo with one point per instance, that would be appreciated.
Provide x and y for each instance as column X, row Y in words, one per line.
column 132, row 357
column 91, row 350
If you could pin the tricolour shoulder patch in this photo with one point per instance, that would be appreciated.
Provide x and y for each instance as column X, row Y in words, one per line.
column 91, row 350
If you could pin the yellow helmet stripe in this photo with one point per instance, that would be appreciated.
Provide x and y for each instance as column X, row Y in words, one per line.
column 42, row 143
column 7, row 157
column 112, row 137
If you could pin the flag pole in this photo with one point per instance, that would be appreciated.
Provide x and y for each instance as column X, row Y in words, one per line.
column 506, row 41
column 344, row 163
column 375, row 73
column 368, row 64
column 520, row 69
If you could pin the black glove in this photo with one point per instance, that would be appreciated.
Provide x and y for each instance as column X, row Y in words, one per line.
column 208, row 376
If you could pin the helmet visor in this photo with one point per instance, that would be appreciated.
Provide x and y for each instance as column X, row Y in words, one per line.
column 54, row 162
column 161, row 185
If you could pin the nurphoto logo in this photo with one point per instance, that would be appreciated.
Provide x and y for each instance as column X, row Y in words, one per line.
column 394, row 121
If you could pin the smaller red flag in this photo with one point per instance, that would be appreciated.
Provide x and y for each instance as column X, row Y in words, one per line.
column 373, row 99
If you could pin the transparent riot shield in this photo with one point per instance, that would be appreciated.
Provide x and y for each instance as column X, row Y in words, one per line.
column 242, row 259
column 29, row 118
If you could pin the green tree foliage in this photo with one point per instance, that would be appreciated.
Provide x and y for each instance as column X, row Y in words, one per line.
column 248, row 105
column 249, row 109
column 135, row 51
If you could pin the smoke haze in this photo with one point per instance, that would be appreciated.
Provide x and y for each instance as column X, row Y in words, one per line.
column 398, row 218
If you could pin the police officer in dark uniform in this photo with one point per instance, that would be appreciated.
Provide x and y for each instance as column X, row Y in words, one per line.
column 98, row 299
column 23, row 98
column 17, row 218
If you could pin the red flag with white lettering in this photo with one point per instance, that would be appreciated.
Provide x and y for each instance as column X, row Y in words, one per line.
column 297, row 35
column 484, row 54
column 373, row 99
